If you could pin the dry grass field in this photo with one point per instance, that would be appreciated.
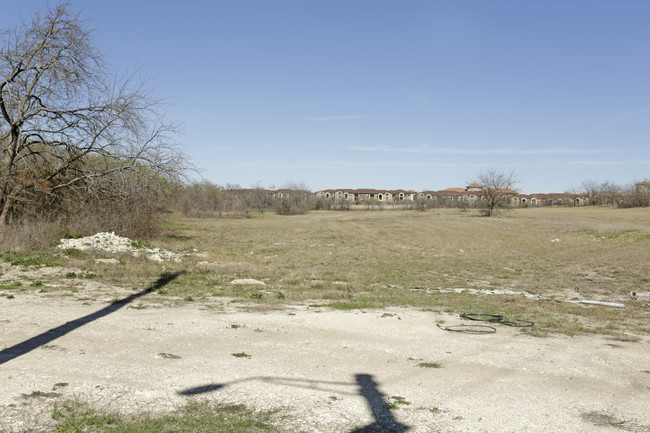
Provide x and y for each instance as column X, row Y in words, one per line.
column 237, row 344
column 375, row 259
column 438, row 260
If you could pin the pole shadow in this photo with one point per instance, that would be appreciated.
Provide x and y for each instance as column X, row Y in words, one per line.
column 317, row 385
column 27, row 346
column 367, row 388
column 384, row 419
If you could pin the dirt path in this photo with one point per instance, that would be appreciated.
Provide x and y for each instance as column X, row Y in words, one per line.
column 331, row 371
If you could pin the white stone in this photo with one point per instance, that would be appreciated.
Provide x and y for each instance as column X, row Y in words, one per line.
column 248, row 281
column 111, row 243
column 109, row 261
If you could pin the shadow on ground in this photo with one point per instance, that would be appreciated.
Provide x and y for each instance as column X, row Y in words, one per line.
column 27, row 346
column 366, row 388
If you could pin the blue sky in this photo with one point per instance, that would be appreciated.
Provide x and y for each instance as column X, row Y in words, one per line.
column 392, row 94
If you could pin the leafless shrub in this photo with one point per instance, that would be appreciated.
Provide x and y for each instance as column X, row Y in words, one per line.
column 332, row 203
column 323, row 203
column 30, row 235
column 421, row 204
column 372, row 204
column 233, row 206
column 604, row 193
column 293, row 199
column 207, row 200
column 197, row 200
column 341, row 204
column 258, row 198
column 635, row 195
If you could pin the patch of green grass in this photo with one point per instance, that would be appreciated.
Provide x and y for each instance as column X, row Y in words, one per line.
column 35, row 258
column 11, row 285
column 75, row 417
column 71, row 275
column 178, row 237
column 359, row 304
column 633, row 235
column 68, row 233
column 60, row 385
column 140, row 244
column 75, row 253
column 241, row 355
column 430, row 365
column 395, row 402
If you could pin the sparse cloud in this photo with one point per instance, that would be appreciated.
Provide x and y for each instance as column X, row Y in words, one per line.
column 623, row 116
column 598, row 163
column 329, row 118
column 334, row 164
column 426, row 149
column 590, row 163
column 377, row 148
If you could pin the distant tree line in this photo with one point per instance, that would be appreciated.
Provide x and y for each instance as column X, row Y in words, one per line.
column 606, row 193
column 205, row 199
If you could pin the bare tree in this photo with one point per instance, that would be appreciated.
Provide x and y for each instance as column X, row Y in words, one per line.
column 497, row 190
column 68, row 125
column 634, row 195
column 604, row 193
column 294, row 198
column 258, row 197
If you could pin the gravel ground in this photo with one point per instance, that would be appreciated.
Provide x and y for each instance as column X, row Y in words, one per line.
column 329, row 371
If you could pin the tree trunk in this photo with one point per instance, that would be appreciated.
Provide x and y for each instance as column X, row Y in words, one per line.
column 9, row 201
column 4, row 216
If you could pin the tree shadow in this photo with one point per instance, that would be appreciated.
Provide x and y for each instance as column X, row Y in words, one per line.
column 367, row 388
column 27, row 346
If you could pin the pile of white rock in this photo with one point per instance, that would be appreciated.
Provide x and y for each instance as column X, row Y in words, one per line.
column 112, row 243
